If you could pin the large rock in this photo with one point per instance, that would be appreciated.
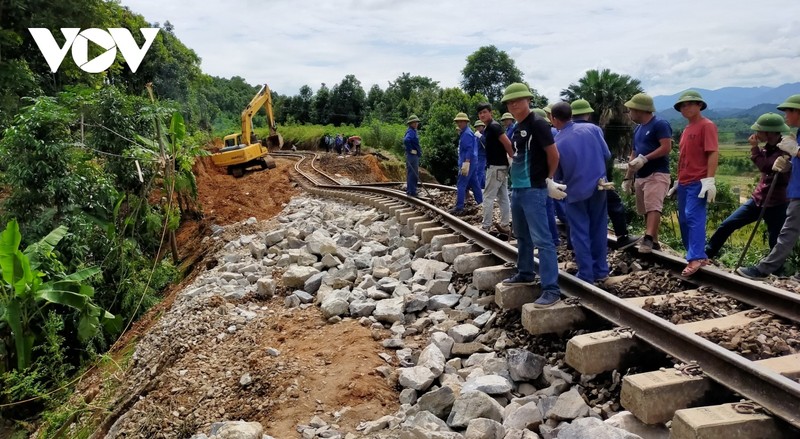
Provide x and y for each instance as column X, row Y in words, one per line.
column 389, row 310
column 238, row 430
column 484, row 429
column 415, row 302
column 528, row 416
column 418, row 378
column 570, row 405
column 426, row 421
column 524, row 365
column 491, row 384
column 432, row 358
column 472, row 405
column 295, row 276
column 257, row 249
column 444, row 301
column 319, row 244
column 334, row 306
column 439, row 401
column 593, row 428
column 464, row 333
column 628, row 422
column 427, row 268
column 444, row 342
column 362, row 308
column 265, row 288
column 274, row 237
column 513, row 433
column 312, row 284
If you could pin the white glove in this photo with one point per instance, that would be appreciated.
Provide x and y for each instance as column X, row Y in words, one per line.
column 465, row 169
column 478, row 134
column 603, row 185
column 414, row 151
column 673, row 189
column 627, row 186
column 782, row 164
column 556, row 190
column 708, row 190
column 637, row 163
column 788, row 144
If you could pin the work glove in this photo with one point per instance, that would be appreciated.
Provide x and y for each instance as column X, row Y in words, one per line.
column 627, row 186
column 708, row 189
column 478, row 134
column 556, row 190
column 637, row 163
column 782, row 164
column 673, row 189
column 414, row 151
column 603, row 185
column 789, row 145
column 465, row 169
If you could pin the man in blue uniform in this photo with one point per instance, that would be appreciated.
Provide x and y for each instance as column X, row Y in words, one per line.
column 582, row 114
column 582, row 163
column 413, row 154
column 533, row 164
column 508, row 124
column 468, row 171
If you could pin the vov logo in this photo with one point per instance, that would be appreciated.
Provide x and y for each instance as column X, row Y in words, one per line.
column 78, row 40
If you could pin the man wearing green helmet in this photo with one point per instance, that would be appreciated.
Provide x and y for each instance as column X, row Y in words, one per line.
column 697, row 165
column 468, row 171
column 768, row 129
column 413, row 154
column 648, row 170
column 534, row 162
column 791, row 227
column 508, row 123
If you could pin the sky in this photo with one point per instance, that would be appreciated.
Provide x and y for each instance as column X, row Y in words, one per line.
column 669, row 46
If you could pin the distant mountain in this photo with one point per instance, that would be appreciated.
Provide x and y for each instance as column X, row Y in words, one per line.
column 728, row 99
column 751, row 113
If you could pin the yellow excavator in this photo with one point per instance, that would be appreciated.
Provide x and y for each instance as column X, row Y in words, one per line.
column 243, row 150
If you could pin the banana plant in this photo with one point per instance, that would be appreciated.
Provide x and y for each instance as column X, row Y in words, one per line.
column 26, row 292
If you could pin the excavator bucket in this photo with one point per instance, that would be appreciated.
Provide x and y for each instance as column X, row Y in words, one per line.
column 275, row 142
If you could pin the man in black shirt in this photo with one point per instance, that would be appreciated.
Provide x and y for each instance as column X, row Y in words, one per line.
column 498, row 150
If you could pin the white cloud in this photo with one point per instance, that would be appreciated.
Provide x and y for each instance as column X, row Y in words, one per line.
column 669, row 46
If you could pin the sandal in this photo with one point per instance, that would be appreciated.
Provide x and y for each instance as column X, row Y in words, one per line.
column 693, row 266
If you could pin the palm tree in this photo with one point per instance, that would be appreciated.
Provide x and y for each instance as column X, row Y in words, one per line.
column 606, row 92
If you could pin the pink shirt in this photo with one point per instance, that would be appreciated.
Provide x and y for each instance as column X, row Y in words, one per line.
column 698, row 139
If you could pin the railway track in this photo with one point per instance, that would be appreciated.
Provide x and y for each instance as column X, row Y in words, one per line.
column 771, row 384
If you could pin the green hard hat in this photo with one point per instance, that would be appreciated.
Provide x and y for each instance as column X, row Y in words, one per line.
column 515, row 91
column 581, row 106
column 461, row 116
column 770, row 122
column 540, row 112
column 479, row 123
column 641, row 102
column 690, row 96
column 412, row 118
column 506, row 116
column 548, row 109
column 792, row 101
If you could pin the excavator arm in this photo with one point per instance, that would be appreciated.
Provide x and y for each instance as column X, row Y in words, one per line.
column 262, row 98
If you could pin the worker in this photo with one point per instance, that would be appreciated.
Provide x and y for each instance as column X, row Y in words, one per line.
column 696, row 187
column 551, row 203
column 582, row 114
column 413, row 154
column 583, row 154
column 481, row 163
column 533, row 165
column 498, row 150
column 339, row 144
column 791, row 227
column 468, row 171
column 648, row 169
column 508, row 123
column 768, row 128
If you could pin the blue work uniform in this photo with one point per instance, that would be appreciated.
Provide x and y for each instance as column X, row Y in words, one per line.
column 582, row 162
column 411, row 143
column 468, row 150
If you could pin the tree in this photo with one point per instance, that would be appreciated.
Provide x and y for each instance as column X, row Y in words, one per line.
column 322, row 105
column 489, row 71
column 348, row 100
column 410, row 95
column 606, row 92
column 438, row 138
column 303, row 108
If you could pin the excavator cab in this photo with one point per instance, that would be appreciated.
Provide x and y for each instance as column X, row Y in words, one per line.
column 239, row 154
